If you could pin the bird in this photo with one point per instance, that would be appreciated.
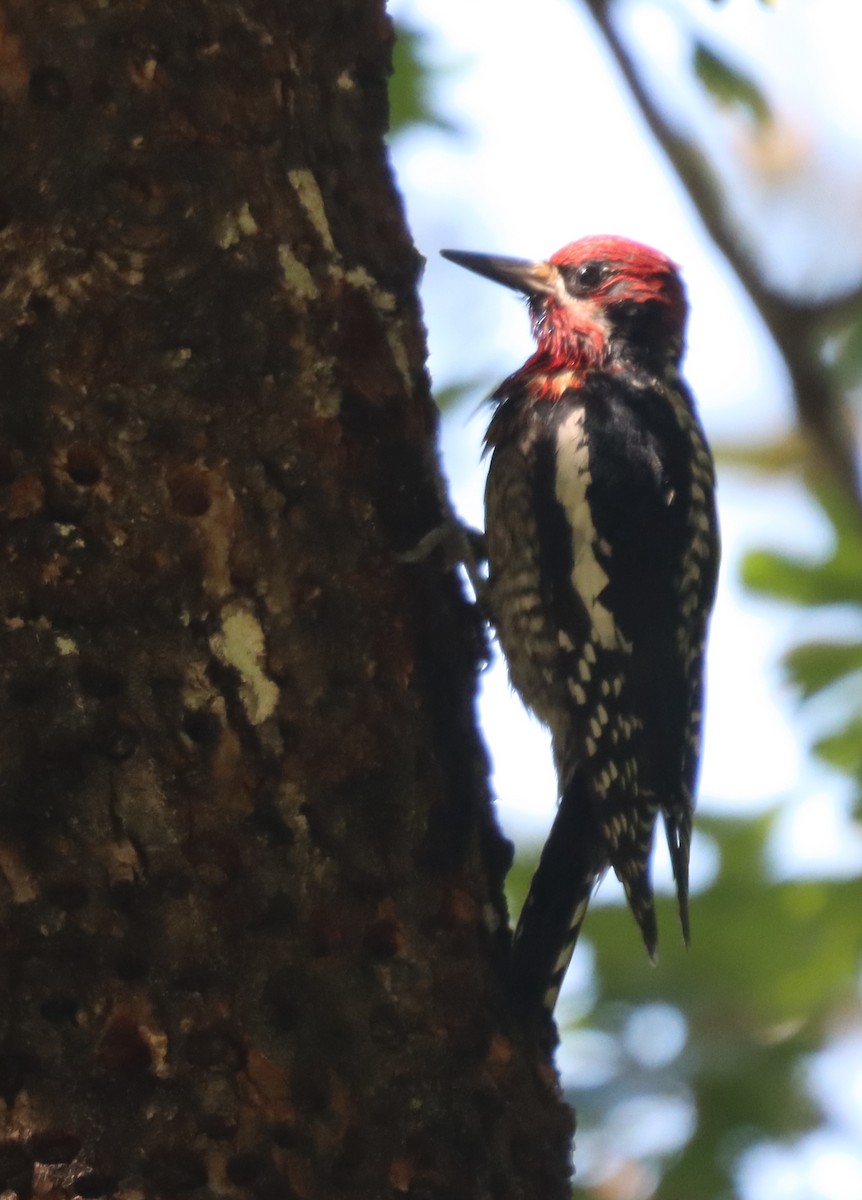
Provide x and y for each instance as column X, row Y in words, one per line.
column 603, row 552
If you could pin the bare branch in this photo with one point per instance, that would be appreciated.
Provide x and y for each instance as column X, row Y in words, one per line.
column 792, row 325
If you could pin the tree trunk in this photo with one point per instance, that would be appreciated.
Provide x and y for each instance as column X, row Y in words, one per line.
column 251, row 914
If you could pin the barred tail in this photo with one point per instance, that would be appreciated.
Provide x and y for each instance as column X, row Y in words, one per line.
column 551, row 919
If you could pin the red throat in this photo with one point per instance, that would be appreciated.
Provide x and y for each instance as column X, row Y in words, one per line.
column 566, row 339
column 576, row 333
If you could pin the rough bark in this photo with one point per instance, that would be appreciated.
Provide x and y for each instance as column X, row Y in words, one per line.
column 251, row 917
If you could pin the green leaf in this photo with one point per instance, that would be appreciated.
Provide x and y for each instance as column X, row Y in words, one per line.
column 836, row 579
column 452, row 396
column 728, row 86
column 844, row 748
column 411, row 84
column 813, row 666
column 788, row 579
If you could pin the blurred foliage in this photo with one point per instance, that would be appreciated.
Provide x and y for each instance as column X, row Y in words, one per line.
column 729, row 85
column 770, row 967
column 411, row 86
column 847, row 367
column 830, row 668
column 786, row 453
column 450, row 397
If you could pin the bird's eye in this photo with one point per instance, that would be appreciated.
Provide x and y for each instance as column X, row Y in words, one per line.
column 585, row 278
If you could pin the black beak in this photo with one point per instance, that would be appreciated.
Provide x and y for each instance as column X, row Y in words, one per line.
column 531, row 278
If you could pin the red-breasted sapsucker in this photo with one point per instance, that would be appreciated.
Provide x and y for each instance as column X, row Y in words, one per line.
column 603, row 554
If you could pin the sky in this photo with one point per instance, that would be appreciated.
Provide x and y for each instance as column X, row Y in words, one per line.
column 549, row 149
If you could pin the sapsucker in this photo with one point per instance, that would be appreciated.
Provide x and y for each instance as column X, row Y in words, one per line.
column 603, row 554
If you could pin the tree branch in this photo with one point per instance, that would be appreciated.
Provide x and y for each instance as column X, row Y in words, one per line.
column 792, row 325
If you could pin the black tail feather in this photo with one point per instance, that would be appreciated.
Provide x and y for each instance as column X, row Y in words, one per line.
column 556, row 904
column 678, row 830
column 635, row 879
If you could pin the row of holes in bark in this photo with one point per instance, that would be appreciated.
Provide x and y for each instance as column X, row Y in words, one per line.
column 189, row 487
column 82, row 463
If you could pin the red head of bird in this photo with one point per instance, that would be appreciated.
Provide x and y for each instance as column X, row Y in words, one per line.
column 597, row 299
